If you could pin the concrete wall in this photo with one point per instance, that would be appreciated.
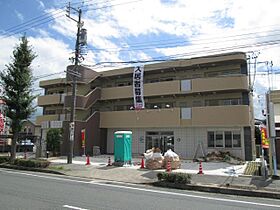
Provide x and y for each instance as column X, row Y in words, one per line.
column 186, row 140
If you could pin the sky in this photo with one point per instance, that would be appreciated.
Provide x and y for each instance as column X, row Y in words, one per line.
column 145, row 30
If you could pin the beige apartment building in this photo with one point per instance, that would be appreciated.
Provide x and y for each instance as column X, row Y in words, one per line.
column 189, row 102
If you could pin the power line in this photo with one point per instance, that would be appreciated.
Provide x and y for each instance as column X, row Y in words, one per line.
column 174, row 56
column 171, row 42
column 37, row 21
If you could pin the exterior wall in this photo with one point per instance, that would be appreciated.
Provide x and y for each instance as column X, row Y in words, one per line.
column 275, row 98
column 200, row 116
column 186, row 140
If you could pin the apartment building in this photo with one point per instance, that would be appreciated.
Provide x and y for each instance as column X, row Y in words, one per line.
column 189, row 102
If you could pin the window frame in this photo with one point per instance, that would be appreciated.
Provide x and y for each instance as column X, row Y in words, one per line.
column 212, row 143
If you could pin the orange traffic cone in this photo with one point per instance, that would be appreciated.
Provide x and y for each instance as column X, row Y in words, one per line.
column 88, row 161
column 200, row 168
column 109, row 162
column 168, row 167
column 142, row 163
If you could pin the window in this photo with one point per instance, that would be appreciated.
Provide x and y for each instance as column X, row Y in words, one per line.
column 213, row 102
column 185, row 85
column 167, row 79
column 186, row 113
column 211, row 139
column 224, row 139
column 183, row 104
column 197, row 103
column 236, row 139
column 50, row 112
column 228, row 139
column 219, row 139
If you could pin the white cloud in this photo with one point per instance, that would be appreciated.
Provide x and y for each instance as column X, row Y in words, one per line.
column 19, row 15
column 53, row 55
column 41, row 4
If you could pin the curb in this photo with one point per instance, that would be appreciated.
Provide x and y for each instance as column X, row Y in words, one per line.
column 222, row 190
column 30, row 169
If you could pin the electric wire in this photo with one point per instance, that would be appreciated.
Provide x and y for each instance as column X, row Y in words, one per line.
column 37, row 22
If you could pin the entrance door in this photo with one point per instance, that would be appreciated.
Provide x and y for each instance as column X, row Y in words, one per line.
column 163, row 140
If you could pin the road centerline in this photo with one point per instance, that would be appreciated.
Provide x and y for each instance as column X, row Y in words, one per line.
column 73, row 207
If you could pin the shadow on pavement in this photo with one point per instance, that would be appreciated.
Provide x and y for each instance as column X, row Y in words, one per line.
column 259, row 182
column 149, row 174
column 105, row 167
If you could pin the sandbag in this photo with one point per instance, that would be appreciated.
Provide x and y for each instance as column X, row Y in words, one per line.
column 173, row 158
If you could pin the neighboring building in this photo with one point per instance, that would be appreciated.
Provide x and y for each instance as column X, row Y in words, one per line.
column 5, row 134
column 187, row 102
column 275, row 99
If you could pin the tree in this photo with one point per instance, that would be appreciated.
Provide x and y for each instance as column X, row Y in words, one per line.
column 53, row 140
column 17, row 82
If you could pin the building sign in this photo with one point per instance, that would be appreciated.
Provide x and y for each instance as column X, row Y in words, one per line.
column 138, row 87
column 265, row 141
column 2, row 123
column 56, row 124
column 83, row 137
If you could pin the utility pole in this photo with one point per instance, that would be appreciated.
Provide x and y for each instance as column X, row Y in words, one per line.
column 74, row 73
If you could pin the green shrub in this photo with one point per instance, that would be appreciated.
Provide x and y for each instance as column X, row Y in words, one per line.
column 159, row 176
column 181, row 178
column 171, row 177
column 4, row 159
column 31, row 163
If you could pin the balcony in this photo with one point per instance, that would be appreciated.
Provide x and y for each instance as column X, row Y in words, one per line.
column 224, row 116
column 140, row 119
column 84, row 102
column 220, row 83
column 237, row 115
column 53, row 117
column 229, row 83
column 51, row 99
column 52, row 82
column 275, row 96
column 150, row 89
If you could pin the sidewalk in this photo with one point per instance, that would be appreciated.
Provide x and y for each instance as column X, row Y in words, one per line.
column 216, row 174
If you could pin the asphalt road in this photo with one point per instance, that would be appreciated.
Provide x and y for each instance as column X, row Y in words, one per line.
column 26, row 190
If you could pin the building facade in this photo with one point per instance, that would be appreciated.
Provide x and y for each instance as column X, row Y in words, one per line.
column 275, row 99
column 189, row 103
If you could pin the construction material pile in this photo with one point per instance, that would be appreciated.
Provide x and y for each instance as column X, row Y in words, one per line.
column 223, row 156
column 155, row 160
column 173, row 158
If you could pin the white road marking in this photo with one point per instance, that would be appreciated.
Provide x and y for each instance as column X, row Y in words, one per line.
column 73, row 207
column 147, row 190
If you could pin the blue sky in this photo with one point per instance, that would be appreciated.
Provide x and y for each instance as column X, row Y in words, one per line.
column 125, row 30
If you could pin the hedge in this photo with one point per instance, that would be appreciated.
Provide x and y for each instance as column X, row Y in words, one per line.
column 4, row 159
column 181, row 178
column 32, row 163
